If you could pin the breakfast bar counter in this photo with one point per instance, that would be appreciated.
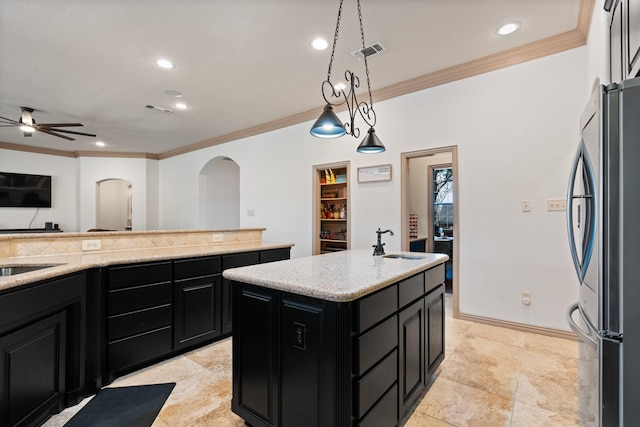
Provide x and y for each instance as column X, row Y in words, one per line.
column 338, row 339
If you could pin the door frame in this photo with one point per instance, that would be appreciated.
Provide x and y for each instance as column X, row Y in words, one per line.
column 404, row 209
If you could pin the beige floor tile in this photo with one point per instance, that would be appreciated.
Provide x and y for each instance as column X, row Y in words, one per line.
column 559, row 346
column 544, row 364
column 489, row 374
column 503, row 335
column 422, row 420
column 464, row 406
column 553, row 395
column 531, row 416
column 171, row 370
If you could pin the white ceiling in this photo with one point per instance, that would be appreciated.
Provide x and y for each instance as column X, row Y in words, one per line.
column 239, row 63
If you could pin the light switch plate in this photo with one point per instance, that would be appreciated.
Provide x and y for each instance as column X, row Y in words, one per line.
column 526, row 206
column 556, row 205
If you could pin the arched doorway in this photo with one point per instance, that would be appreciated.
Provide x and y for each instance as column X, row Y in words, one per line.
column 220, row 194
column 113, row 204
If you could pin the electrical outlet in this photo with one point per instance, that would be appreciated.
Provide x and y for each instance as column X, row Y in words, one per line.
column 91, row 245
column 526, row 206
column 556, row 205
column 526, row 298
column 217, row 238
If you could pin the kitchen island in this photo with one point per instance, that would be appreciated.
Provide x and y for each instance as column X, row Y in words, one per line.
column 339, row 339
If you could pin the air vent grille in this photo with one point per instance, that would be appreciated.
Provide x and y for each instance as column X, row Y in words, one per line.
column 372, row 49
column 155, row 107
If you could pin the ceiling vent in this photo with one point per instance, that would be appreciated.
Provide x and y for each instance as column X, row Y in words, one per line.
column 155, row 107
column 372, row 49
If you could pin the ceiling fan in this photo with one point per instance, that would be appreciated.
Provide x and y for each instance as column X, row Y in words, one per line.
column 28, row 125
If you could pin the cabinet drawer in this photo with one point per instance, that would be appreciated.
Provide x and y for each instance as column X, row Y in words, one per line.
column 373, row 308
column 126, row 325
column 240, row 260
column 372, row 346
column 189, row 268
column 433, row 277
column 125, row 300
column 410, row 289
column 275, row 255
column 384, row 414
column 373, row 385
column 139, row 349
column 139, row 274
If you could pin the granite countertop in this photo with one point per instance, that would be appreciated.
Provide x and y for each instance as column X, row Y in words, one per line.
column 341, row 276
column 70, row 263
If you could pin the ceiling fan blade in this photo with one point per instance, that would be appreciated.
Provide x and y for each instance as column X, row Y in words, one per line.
column 55, row 134
column 9, row 120
column 64, row 131
column 59, row 125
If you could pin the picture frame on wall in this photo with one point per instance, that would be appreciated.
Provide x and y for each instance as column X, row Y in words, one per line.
column 374, row 173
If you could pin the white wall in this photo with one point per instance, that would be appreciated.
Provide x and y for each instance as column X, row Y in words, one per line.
column 63, row 191
column 516, row 130
column 93, row 169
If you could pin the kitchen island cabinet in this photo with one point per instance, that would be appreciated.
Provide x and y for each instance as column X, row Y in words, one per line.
column 338, row 339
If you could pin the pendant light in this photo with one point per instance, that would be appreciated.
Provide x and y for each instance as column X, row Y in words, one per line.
column 328, row 124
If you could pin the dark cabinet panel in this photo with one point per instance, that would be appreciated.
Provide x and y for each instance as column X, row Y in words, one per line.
column 137, row 322
column 197, row 306
column 275, row 255
column 410, row 289
column 232, row 261
column 128, row 276
column 32, row 371
column 138, row 350
column 196, row 267
column 139, row 297
column 375, row 344
column 434, row 304
column 385, row 413
column 375, row 383
column 411, row 349
column 375, row 307
column 256, row 355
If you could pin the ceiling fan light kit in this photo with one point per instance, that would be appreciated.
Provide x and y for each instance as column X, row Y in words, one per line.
column 328, row 124
column 28, row 125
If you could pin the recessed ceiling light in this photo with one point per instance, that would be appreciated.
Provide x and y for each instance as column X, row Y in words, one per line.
column 165, row 63
column 100, row 144
column 172, row 92
column 319, row 44
column 181, row 105
column 508, row 28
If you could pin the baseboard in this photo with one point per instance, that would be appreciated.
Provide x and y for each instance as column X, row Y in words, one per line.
column 519, row 326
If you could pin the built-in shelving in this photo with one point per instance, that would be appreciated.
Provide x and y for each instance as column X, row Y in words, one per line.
column 331, row 207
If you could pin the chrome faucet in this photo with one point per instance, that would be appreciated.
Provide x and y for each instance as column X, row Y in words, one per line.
column 378, row 247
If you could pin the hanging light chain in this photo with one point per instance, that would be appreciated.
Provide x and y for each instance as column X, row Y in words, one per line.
column 335, row 40
column 366, row 66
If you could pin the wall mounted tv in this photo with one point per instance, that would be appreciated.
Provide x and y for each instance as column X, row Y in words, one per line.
column 19, row 190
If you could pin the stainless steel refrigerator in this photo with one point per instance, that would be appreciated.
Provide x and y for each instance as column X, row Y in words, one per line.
column 603, row 217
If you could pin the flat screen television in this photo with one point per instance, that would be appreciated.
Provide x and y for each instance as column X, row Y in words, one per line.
column 19, row 190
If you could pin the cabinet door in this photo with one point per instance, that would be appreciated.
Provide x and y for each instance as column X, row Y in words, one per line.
column 434, row 304
column 633, row 37
column 232, row 261
column 411, row 343
column 197, row 305
column 32, row 371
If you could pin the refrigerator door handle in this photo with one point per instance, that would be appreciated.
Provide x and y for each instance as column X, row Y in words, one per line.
column 583, row 336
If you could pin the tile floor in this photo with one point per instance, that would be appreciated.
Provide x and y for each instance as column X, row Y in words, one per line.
column 490, row 377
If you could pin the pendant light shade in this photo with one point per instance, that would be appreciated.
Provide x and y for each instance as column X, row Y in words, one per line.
column 328, row 125
column 371, row 143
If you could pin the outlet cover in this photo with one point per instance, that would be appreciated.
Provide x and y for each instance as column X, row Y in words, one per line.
column 91, row 245
column 556, row 205
column 526, row 205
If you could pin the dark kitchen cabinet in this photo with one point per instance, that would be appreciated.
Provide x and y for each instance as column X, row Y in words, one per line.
column 197, row 301
column 232, row 261
column 242, row 260
column 411, row 346
column 139, row 315
column 305, row 361
column 42, row 360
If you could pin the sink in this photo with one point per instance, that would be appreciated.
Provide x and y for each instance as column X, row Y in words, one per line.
column 12, row 270
column 402, row 256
